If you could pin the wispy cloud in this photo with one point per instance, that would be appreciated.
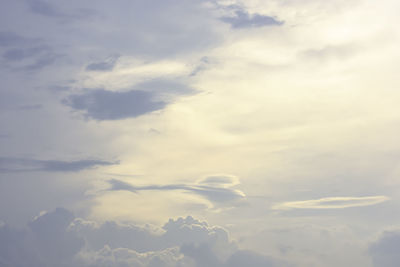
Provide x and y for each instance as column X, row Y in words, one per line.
column 47, row 9
column 242, row 19
column 213, row 188
column 26, row 164
column 11, row 39
column 106, row 65
column 332, row 203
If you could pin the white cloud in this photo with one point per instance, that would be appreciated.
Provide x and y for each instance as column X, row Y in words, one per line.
column 332, row 203
column 58, row 238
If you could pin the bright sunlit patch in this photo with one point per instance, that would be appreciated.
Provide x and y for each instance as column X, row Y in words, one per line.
column 332, row 203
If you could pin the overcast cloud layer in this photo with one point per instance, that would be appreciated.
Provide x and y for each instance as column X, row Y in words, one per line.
column 199, row 133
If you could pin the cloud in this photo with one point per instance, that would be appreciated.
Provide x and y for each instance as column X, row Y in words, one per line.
column 48, row 9
column 43, row 8
column 58, row 238
column 30, row 107
column 220, row 180
column 143, row 98
column 100, row 104
column 332, row 203
column 106, row 65
column 18, row 54
column 10, row 39
column 242, row 19
column 385, row 250
column 45, row 242
column 339, row 52
column 26, row 164
column 202, row 65
column 26, row 56
column 214, row 188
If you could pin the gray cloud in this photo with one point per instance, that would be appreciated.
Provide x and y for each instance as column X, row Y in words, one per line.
column 100, row 104
column 10, row 39
column 205, row 257
column 29, row 57
column 242, row 19
column 18, row 54
column 146, row 97
column 3, row 135
column 165, row 88
column 48, row 9
column 45, row 242
column 41, row 62
column 385, row 250
column 216, row 189
column 106, row 65
column 25, row 164
column 30, row 107
column 58, row 238
column 202, row 65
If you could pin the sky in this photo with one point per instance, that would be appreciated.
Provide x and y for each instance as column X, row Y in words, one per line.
column 200, row 133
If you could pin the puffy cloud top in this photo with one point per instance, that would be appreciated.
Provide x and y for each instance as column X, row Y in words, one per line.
column 59, row 238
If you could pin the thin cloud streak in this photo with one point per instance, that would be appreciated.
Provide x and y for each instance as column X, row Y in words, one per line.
column 212, row 192
column 332, row 203
column 27, row 165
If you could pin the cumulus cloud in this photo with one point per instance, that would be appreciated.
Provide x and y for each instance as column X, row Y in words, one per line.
column 332, row 203
column 385, row 251
column 242, row 19
column 214, row 188
column 58, row 238
column 8, row 164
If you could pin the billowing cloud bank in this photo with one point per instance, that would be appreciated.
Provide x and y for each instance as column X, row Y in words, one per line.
column 58, row 238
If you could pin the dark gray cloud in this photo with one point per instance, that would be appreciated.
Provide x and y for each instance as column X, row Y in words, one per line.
column 217, row 191
column 25, row 164
column 58, row 238
column 385, row 251
column 146, row 97
column 106, row 65
column 242, row 19
column 100, row 104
